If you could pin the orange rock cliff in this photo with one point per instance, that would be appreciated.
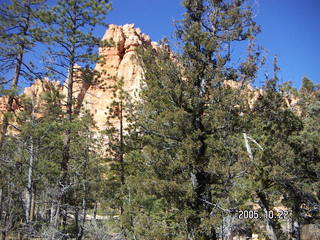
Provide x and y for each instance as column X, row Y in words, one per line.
column 119, row 63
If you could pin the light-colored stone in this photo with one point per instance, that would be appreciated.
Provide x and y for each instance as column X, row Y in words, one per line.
column 119, row 63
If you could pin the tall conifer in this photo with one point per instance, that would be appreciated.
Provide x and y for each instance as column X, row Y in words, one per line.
column 71, row 27
column 19, row 33
column 190, row 125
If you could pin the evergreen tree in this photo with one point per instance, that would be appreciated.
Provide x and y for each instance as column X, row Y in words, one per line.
column 118, row 124
column 189, row 127
column 301, row 195
column 86, row 171
column 11, row 187
column 271, row 124
column 71, row 26
column 19, row 34
column 39, row 143
column 307, row 86
column 35, row 139
column 279, row 168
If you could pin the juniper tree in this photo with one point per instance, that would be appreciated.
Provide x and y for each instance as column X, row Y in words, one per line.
column 189, row 125
column 301, row 190
column 270, row 124
column 280, row 166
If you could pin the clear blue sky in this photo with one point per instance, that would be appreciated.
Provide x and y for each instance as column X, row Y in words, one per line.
column 290, row 29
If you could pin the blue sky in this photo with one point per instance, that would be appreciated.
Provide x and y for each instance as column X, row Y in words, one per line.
column 290, row 29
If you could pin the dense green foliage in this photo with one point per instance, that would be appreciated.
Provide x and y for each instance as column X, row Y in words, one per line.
column 183, row 161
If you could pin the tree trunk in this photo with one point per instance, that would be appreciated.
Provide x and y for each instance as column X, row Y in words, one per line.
column 20, row 236
column 296, row 233
column 295, row 224
column 84, row 210
column 33, row 204
column 29, row 185
column 84, row 203
column 228, row 223
column 3, row 233
column 270, row 225
column 30, row 166
column 80, row 227
column 77, row 225
column 84, row 213
column 6, row 216
column 201, row 180
column 54, row 214
column 270, row 229
column 121, row 154
column 64, row 181
column 1, row 203
column 95, row 210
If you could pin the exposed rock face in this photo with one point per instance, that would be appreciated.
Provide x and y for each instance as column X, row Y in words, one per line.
column 247, row 90
column 5, row 108
column 119, row 63
column 36, row 92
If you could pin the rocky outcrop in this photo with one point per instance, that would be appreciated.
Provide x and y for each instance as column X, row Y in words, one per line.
column 118, row 62
column 35, row 93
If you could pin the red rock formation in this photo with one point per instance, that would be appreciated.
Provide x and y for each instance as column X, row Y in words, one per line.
column 119, row 63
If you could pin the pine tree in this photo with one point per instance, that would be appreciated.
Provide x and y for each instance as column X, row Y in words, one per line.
column 116, row 131
column 19, row 33
column 40, row 142
column 72, row 41
column 11, row 188
column 36, row 137
column 85, row 171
